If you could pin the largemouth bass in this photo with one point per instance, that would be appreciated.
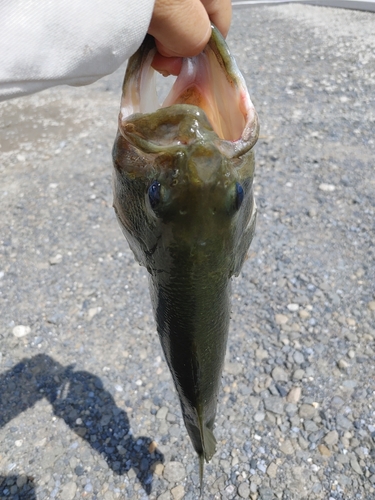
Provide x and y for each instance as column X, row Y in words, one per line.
column 183, row 176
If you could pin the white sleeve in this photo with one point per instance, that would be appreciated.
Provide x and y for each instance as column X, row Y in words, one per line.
column 44, row 43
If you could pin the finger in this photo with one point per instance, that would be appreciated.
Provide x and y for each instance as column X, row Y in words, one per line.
column 220, row 13
column 167, row 65
column 181, row 27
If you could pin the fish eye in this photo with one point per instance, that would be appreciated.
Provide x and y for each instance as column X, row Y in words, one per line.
column 154, row 194
column 239, row 195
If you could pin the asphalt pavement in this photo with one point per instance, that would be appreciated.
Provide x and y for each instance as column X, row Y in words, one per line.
column 87, row 405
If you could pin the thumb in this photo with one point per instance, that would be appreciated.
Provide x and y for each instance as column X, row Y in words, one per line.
column 181, row 28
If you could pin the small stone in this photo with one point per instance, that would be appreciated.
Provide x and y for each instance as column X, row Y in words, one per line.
column 342, row 459
column 79, row 470
column 266, row 493
column 281, row 319
column 110, row 495
column 88, row 488
column 174, row 472
column 262, row 384
column 327, row 187
column 253, row 488
column 81, row 431
column 93, row 311
column 21, row 481
column 293, row 307
column 230, row 490
column 21, row 158
column 337, row 402
column 298, row 357
column 279, row 374
column 310, row 426
column 162, row 413
column 164, row 496
column 261, row 354
column 298, row 374
column 274, row 404
column 291, row 410
column 343, row 364
column 21, row 331
column 304, row 314
column 281, row 390
column 18, row 443
column 158, row 469
column 259, row 416
column 304, row 444
column 324, row 451
column 287, row 447
column 312, row 212
column 233, row 368
column 178, row 492
column 272, row 470
column 56, row 259
column 152, row 446
column 355, row 466
column 342, row 422
column 261, row 466
column 371, row 305
column 307, row 411
column 68, row 491
column 41, row 443
column 219, row 484
column 350, row 384
column 244, row 490
column 331, row 438
column 294, row 395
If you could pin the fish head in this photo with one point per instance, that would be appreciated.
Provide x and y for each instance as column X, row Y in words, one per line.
column 183, row 172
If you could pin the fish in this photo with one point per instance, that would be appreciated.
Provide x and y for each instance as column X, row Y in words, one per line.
column 183, row 196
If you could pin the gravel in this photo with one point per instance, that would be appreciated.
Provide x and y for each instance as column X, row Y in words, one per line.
column 174, row 472
column 88, row 408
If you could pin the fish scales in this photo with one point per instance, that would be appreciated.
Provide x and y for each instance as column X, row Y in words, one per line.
column 183, row 196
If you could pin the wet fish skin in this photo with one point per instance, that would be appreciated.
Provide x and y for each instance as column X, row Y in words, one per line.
column 183, row 197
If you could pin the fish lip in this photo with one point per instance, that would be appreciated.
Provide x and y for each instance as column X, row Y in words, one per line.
column 139, row 73
column 231, row 149
column 251, row 129
column 248, row 139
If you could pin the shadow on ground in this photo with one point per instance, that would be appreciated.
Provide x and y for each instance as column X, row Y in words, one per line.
column 17, row 487
column 78, row 397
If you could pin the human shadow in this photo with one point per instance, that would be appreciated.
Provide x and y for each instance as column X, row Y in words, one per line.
column 17, row 487
column 78, row 397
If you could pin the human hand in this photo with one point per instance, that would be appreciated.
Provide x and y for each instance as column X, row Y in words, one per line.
column 182, row 28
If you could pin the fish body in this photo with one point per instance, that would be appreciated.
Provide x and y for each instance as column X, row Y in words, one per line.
column 183, row 196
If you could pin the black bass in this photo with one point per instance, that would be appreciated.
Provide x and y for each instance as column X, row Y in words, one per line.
column 183, row 176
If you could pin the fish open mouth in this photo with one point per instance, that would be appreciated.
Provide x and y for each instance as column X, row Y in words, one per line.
column 210, row 80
